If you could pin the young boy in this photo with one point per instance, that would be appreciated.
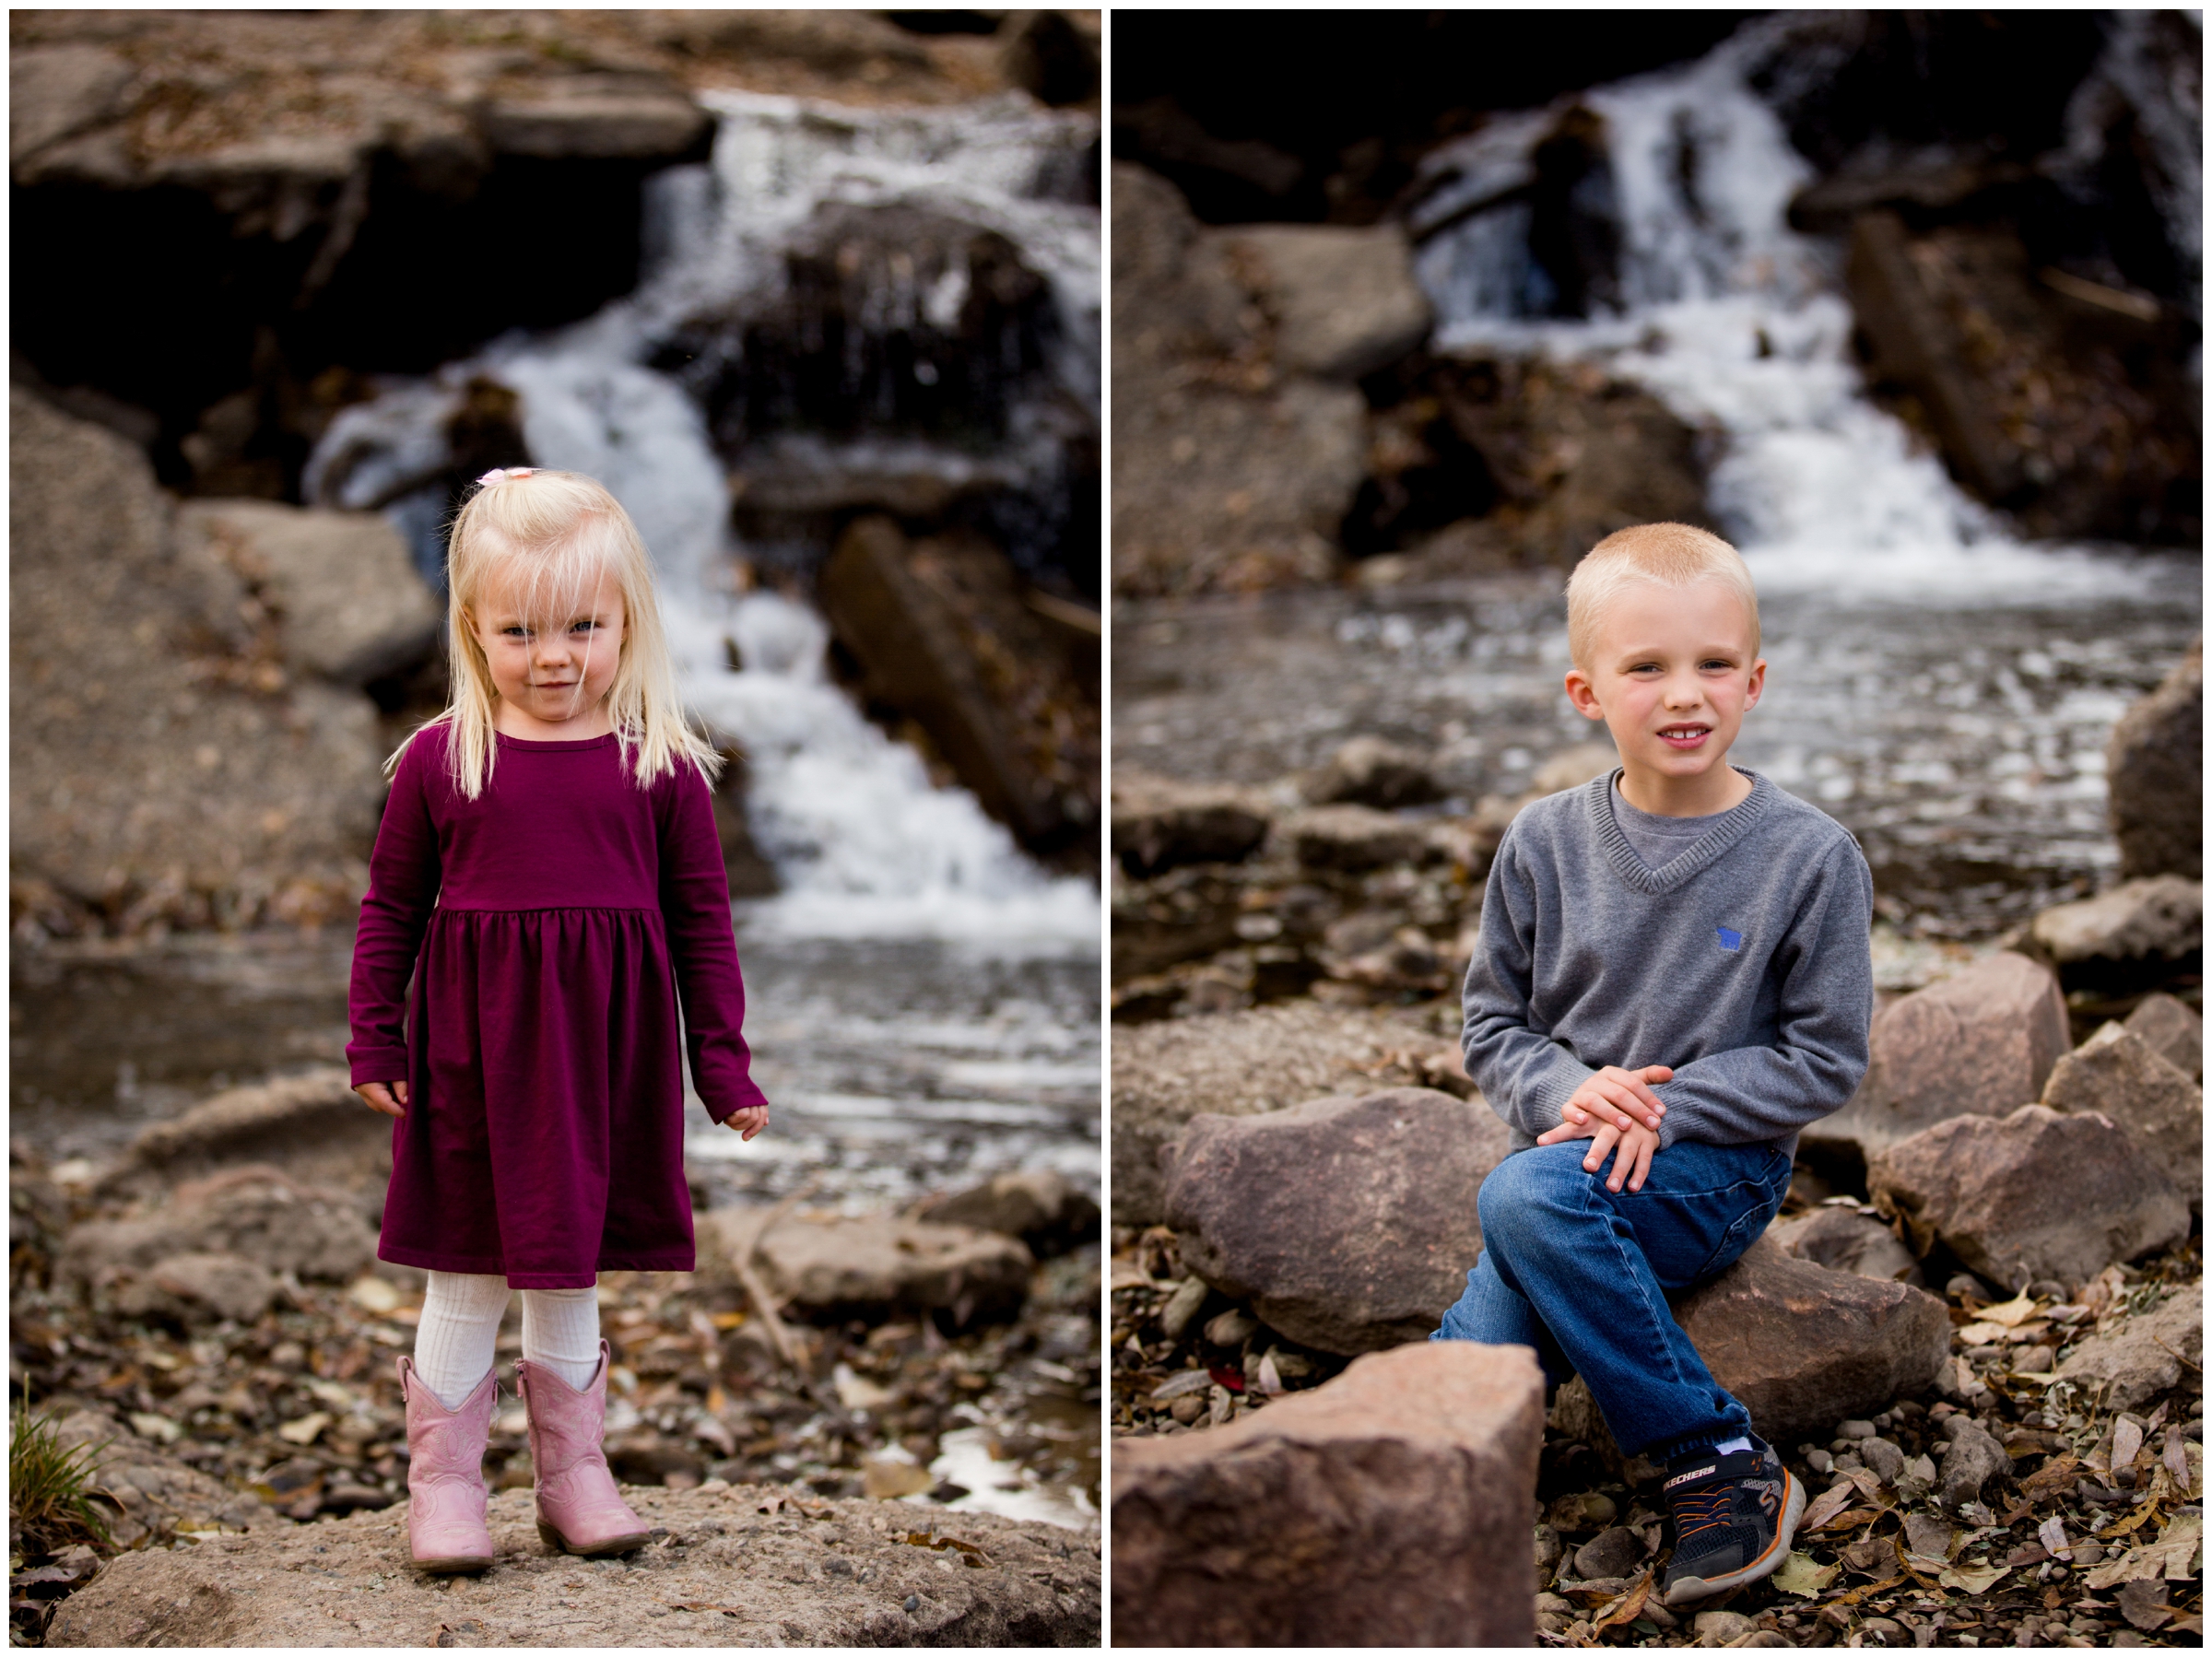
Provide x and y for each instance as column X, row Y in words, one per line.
column 1674, row 968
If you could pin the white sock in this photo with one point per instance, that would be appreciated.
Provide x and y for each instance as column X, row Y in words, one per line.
column 459, row 1332
column 1731, row 1446
column 561, row 1330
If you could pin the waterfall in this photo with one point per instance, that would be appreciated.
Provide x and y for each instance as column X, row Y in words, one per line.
column 1737, row 324
column 866, row 846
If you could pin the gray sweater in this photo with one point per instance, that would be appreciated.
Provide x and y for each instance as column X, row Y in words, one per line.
column 1744, row 964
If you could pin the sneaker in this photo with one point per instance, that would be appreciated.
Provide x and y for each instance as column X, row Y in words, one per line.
column 1734, row 1516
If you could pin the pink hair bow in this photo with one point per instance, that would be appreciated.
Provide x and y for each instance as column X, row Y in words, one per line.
column 501, row 474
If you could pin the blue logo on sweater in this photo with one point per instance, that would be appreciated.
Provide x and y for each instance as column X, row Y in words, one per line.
column 1730, row 940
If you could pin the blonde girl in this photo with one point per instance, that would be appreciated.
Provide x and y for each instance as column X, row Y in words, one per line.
column 548, row 873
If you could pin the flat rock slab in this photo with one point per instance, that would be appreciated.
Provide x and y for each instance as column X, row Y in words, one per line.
column 1240, row 1064
column 2139, row 931
column 1802, row 1346
column 759, row 1567
column 1160, row 823
column 2146, row 1355
column 256, row 1212
column 1846, row 1240
column 2030, row 1195
column 1348, row 1223
column 1388, row 1507
column 878, row 1261
column 1982, row 1041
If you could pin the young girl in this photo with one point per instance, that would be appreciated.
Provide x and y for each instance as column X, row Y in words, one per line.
column 548, row 871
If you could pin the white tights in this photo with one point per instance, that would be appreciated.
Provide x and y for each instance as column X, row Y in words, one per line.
column 458, row 1338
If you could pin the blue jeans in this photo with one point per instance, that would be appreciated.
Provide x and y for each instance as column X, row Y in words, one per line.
column 1579, row 1272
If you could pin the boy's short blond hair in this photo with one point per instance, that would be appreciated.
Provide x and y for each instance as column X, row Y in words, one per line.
column 1666, row 554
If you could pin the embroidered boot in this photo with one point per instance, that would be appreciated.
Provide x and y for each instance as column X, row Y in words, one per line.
column 579, row 1509
column 446, row 1532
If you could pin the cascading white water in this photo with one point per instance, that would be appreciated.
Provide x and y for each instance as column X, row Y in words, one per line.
column 1735, row 321
column 866, row 847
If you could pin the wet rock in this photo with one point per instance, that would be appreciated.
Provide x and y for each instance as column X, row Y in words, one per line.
column 1368, row 770
column 2039, row 405
column 2175, row 1029
column 2029, row 1195
column 1846, row 1240
column 349, row 607
column 1343, row 300
column 2142, row 931
column 2154, row 764
column 157, row 781
column 198, row 1286
column 1243, row 1063
column 1349, row 838
column 937, row 646
column 594, row 116
column 1485, row 463
column 878, row 1263
column 2118, row 1074
column 1395, row 1499
column 1225, row 477
column 1969, row 1461
column 1800, row 1345
column 1982, row 1041
column 1160, row 823
column 1043, row 1209
column 1030, row 1583
column 1349, row 1224
column 255, row 1211
column 2130, row 1364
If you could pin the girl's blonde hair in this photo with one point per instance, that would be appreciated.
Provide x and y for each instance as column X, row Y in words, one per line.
column 1666, row 554
column 564, row 535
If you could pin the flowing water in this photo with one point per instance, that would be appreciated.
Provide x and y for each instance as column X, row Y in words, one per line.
column 1941, row 688
column 923, row 1001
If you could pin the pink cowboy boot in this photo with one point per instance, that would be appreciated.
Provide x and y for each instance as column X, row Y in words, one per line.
column 579, row 1509
column 445, row 1474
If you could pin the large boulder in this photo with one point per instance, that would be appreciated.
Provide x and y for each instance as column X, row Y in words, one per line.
column 1344, row 301
column 877, row 1263
column 349, row 606
column 2118, row 1074
column 1041, row 1207
column 1982, row 1041
column 157, row 779
column 815, row 1571
column 1226, row 476
column 943, row 639
column 1243, row 1063
column 2031, row 1195
column 1348, row 1223
column 2153, row 770
column 1800, row 1346
column 1160, row 823
column 2133, row 1362
column 2142, row 931
column 1388, row 1507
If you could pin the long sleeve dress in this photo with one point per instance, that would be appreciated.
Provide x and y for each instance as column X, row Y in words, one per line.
column 550, row 925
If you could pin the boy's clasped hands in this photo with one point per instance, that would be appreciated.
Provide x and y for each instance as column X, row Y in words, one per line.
column 1616, row 1109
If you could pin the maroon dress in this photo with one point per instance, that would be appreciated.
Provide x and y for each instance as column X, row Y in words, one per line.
column 550, row 924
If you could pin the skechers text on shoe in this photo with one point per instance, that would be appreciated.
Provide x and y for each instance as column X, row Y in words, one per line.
column 1733, row 1517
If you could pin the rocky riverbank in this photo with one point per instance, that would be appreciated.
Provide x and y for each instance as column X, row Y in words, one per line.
column 208, row 1309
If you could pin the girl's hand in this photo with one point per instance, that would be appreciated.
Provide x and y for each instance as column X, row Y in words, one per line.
column 748, row 1122
column 378, row 1096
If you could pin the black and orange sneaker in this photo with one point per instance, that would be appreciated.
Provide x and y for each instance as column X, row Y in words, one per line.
column 1734, row 1516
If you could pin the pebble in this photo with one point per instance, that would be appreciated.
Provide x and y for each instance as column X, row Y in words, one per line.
column 1855, row 1429
column 1820, row 1461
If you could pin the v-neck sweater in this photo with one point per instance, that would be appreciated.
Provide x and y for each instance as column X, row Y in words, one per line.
column 1744, row 964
